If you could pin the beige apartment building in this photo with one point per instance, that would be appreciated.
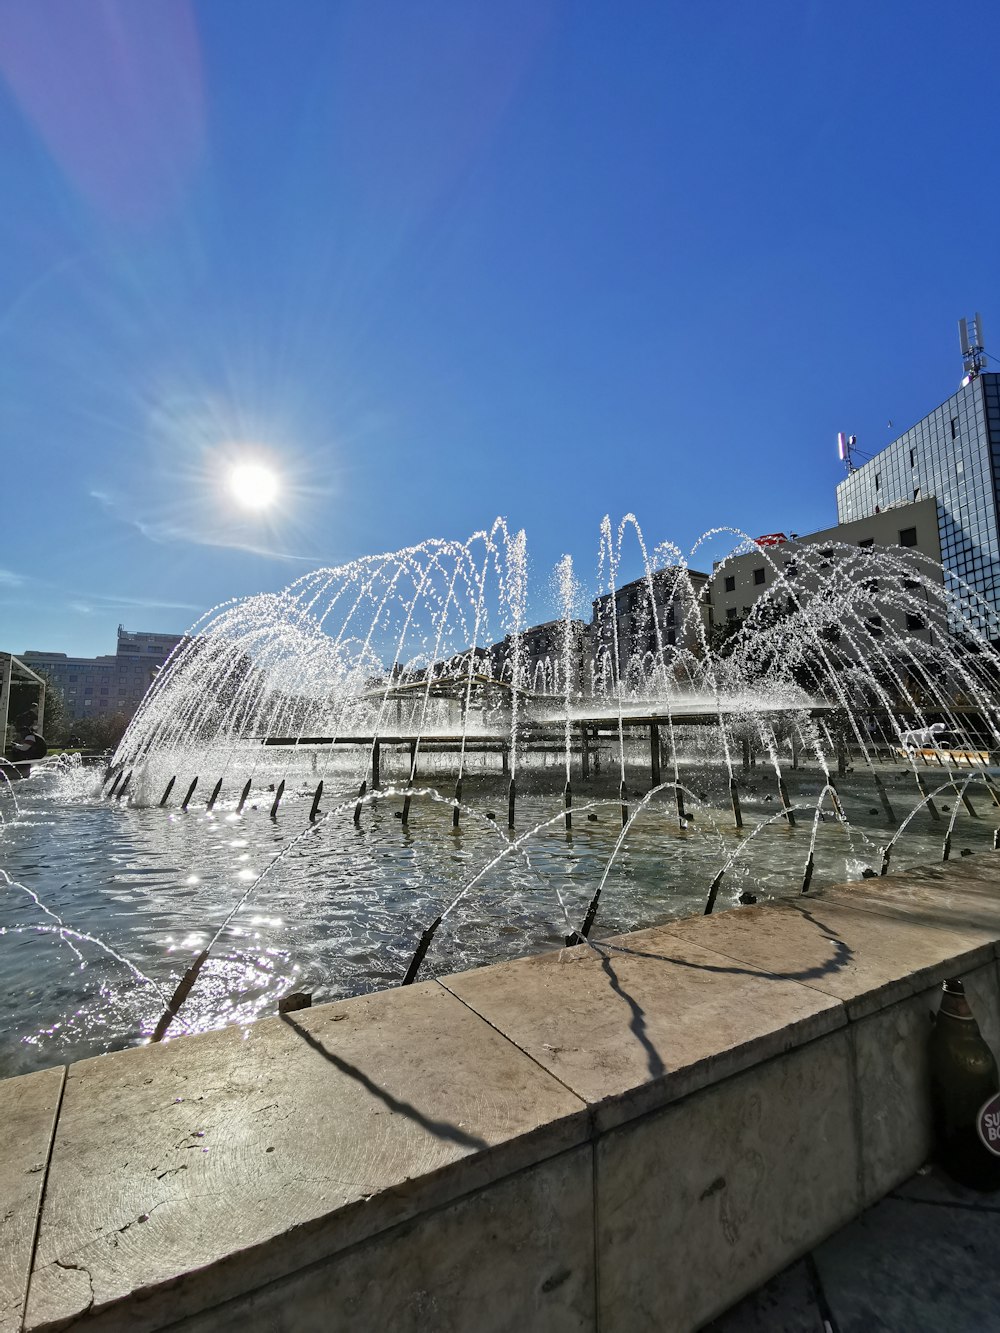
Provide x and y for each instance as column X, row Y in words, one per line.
column 741, row 580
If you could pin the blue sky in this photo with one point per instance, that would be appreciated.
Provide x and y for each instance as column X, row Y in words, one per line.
column 437, row 261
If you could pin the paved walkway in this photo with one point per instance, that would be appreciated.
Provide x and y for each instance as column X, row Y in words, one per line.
column 924, row 1260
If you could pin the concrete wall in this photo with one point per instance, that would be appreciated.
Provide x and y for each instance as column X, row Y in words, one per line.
column 622, row 1138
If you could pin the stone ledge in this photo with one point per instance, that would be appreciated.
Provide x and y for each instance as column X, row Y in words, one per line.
column 709, row 1195
column 185, row 1173
column 192, row 1178
column 644, row 1019
column 537, row 1262
column 864, row 954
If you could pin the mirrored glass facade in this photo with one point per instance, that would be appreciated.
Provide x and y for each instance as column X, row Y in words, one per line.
column 953, row 454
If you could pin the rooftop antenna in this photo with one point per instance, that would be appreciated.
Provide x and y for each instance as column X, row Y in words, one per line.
column 973, row 349
column 846, row 446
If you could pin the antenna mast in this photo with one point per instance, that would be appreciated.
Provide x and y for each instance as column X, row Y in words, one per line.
column 846, row 444
column 973, row 349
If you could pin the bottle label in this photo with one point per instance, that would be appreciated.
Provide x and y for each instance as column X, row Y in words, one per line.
column 988, row 1124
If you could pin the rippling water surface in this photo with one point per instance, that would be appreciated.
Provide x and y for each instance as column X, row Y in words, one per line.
column 341, row 908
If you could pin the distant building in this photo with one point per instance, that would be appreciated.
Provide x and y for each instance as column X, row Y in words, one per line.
column 952, row 454
column 111, row 683
column 627, row 642
column 543, row 656
column 740, row 581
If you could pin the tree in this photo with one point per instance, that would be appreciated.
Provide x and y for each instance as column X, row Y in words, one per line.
column 722, row 634
column 754, row 639
column 56, row 723
column 102, row 732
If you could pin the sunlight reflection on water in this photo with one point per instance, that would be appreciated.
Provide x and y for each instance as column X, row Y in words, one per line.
column 340, row 912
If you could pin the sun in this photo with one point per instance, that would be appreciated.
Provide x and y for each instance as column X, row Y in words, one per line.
column 254, row 486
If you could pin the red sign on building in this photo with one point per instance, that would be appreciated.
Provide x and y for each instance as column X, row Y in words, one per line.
column 771, row 539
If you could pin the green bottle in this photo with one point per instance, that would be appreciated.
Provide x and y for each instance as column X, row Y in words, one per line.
column 964, row 1078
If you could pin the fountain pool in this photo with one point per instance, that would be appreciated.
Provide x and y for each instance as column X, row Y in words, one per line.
column 390, row 715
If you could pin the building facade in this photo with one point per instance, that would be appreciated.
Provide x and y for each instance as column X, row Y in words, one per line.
column 543, row 656
column 953, row 454
column 632, row 625
column 805, row 561
column 113, row 683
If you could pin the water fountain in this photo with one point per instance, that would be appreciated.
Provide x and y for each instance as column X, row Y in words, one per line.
column 383, row 772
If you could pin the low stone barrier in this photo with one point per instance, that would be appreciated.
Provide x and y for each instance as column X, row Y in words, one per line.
column 625, row 1138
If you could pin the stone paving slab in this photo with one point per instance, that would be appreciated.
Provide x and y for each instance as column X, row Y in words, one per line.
column 959, row 871
column 916, row 1267
column 923, row 1260
column 867, row 954
column 786, row 1304
column 185, row 1173
column 646, row 1019
column 975, row 874
column 976, row 904
column 27, row 1114
column 929, row 894
column 931, row 1185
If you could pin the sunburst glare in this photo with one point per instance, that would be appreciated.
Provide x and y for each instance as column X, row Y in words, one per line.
column 254, row 486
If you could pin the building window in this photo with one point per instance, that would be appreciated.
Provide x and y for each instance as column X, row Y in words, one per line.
column 916, row 492
column 103, row 703
column 730, row 583
column 730, row 612
column 954, row 427
column 908, row 537
column 868, row 541
column 878, row 481
column 915, row 623
column 913, row 458
column 89, row 690
column 875, row 626
column 758, row 576
column 72, row 679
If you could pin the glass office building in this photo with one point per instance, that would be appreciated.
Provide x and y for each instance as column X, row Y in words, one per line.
column 953, row 454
